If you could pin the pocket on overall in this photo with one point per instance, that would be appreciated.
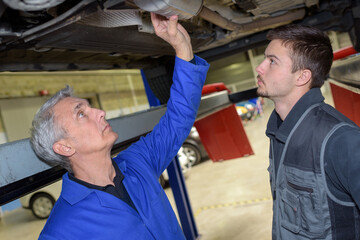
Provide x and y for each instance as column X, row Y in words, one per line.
column 309, row 209
column 289, row 210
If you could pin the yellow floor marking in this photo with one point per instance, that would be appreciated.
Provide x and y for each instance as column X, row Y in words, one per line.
column 240, row 203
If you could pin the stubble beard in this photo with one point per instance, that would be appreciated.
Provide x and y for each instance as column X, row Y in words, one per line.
column 259, row 91
column 262, row 92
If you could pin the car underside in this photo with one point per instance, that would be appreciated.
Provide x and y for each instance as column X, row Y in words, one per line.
column 41, row 35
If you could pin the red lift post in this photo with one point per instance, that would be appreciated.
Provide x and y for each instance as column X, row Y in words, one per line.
column 222, row 133
column 345, row 90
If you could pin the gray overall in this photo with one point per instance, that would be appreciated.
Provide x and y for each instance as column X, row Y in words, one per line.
column 303, row 206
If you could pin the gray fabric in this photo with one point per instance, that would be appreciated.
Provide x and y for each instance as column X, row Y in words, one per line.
column 301, row 208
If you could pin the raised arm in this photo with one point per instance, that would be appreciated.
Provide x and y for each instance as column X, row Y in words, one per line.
column 153, row 153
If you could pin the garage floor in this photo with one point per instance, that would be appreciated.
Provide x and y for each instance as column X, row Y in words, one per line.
column 230, row 199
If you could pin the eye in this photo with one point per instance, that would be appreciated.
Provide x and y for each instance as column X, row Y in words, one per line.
column 81, row 114
column 272, row 62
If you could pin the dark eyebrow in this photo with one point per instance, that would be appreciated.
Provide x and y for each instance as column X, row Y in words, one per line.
column 80, row 105
column 272, row 56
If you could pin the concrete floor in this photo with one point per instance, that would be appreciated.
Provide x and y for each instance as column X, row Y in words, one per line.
column 230, row 199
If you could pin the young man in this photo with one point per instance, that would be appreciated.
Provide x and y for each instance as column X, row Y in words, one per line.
column 120, row 198
column 314, row 149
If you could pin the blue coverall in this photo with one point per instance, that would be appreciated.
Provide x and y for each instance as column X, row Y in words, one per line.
column 84, row 213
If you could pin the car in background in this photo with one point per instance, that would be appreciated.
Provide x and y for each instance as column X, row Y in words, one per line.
column 42, row 201
column 193, row 149
column 190, row 154
column 185, row 168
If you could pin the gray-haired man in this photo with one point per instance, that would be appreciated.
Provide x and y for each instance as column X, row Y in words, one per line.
column 120, row 198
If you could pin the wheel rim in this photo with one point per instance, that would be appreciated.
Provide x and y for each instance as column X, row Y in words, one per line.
column 42, row 207
column 191, row 155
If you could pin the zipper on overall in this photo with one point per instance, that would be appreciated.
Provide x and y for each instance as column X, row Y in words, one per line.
column 303, row 189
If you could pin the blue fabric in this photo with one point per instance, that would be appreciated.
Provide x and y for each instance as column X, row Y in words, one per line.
column 84, row 213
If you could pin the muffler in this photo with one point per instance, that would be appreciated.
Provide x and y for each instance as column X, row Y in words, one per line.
column 185, row 9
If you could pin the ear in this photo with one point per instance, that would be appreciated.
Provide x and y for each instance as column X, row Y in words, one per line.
column 304, row 77
column 63, row 148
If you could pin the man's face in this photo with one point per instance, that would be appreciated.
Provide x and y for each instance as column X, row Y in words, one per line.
column 275, row 79
column 86, row 127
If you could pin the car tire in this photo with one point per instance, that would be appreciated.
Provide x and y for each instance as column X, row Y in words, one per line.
column 192, row 153
column 41, row 205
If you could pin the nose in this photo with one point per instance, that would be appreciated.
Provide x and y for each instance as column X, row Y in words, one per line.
column 100, row 113
column 260, row 68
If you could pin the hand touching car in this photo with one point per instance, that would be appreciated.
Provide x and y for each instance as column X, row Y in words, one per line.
column 173, row 33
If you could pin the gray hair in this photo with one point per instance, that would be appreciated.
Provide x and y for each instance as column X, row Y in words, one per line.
column 45, row 132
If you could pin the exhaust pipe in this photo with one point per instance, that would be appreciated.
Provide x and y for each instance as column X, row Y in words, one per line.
column 187, row 9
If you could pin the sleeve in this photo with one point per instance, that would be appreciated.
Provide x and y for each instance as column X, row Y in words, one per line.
column 157, row 149
column 342, row 164
column 47, row 237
